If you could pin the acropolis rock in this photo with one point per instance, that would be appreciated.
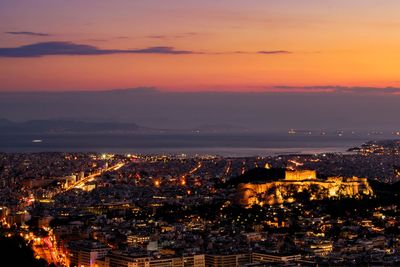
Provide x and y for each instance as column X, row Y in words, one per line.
column 285, row 189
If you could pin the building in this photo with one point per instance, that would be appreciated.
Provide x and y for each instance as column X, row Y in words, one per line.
column 231, row 260
column 247, row 259
column 136, row 240
column 85, row 253
column 120, row 259
column 264, row 258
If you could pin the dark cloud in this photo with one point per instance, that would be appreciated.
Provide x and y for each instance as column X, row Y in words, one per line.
column 68, row 48
column 341, row 89
column 161, row 50
column 29, row 33
column 264, row 52
column 273, row 52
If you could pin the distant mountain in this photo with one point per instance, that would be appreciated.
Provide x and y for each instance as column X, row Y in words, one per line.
column 69, row 126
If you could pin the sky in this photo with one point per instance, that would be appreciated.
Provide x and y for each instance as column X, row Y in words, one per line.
column 208, row 45
column 336, row 109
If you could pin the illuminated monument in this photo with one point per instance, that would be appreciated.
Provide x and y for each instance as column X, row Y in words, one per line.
column 285, row 186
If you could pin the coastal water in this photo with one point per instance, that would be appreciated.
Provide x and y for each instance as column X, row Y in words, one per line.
column 191, row 144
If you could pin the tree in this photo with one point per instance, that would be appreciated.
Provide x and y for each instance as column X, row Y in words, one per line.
column 15, row 252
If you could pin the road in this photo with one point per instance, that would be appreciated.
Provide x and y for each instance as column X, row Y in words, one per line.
column 81, row 183
column 46, row 247
column 195, row 169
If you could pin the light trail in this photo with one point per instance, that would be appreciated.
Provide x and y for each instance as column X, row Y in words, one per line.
column 81, row 183
column 195, row 169
column 228, row 168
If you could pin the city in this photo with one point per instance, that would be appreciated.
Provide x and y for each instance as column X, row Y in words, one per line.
column 88, row 209
column 186, row 133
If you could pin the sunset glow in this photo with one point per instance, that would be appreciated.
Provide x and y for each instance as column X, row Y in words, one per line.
column 195, row 46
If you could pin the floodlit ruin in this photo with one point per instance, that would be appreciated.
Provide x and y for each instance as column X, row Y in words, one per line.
column 300, row 184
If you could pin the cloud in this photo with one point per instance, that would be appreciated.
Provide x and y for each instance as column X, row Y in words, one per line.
column 339, row 89
column 28, row 33
column 161, row 50
column 69, row 48
column 273, row 52
column 263, row 52
column 158, row 36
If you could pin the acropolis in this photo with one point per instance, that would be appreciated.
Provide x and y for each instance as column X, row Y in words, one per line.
column 285, row 190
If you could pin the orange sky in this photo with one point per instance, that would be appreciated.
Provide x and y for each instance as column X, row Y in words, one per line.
column 348, row 43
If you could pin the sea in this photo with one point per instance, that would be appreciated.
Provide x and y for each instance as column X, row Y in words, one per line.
column 228, row 145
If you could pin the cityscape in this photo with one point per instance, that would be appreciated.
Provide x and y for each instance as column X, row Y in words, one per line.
column 90, row 209
column 213, row 133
